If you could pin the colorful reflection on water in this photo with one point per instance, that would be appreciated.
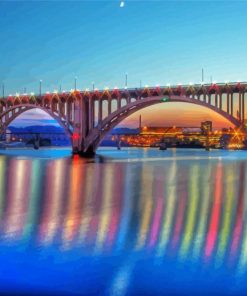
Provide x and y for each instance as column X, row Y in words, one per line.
column 121, row 227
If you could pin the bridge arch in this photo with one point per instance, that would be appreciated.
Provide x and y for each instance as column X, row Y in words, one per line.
column 10, row 114
column 99, row 132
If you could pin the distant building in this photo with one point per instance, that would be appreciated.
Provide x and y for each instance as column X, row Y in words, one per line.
column 206, row 127
column 245, row 125
column 162, row 131
column 8, row 135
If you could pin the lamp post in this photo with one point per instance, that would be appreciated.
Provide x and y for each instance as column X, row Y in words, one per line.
column 126, row 80
column 3, row 90
column 202, row 75
column 140, row 84
column 40, row 87
column 93, row 85
column 75, row 82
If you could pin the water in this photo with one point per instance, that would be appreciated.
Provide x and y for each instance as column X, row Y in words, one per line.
column 129, row 222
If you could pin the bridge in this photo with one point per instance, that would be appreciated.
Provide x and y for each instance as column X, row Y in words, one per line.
column 87, row 116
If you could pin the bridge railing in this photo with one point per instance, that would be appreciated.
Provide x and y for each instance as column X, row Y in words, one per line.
column 172, row 86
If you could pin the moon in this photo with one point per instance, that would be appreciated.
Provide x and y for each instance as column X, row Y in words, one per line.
column 122, row 4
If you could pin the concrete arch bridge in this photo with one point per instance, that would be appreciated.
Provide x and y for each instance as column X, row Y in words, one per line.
column 87, row 116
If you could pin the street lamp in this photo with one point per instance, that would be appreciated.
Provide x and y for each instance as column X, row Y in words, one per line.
column 3, row 90
column 75, row 82
column 126, row 80
column 40, row 87
column 93, row 85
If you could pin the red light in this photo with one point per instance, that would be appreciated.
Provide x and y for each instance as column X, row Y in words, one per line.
column 75, row 136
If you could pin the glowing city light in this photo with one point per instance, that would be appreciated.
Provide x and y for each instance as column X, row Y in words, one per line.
column 164, row 99
column 75, row 136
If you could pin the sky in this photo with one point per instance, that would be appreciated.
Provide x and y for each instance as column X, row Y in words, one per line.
column 157, row 42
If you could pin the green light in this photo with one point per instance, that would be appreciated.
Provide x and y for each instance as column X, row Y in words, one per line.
column 165, row 99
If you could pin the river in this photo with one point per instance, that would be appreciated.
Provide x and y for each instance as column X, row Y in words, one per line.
column 128, row 222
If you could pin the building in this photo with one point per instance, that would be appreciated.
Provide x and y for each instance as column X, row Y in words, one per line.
column 206, row 127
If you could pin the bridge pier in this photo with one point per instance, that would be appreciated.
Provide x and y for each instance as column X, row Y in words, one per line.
column 88, row 154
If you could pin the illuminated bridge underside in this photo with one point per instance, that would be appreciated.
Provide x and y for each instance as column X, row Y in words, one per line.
column 88, row 116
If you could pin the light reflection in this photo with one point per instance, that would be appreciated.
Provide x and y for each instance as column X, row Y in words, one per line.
column 72, row 215
column 33, row 196
column 128, row 207
column 203, row 212
column 169, row 208
column 53, row 199
column 226, row 214
column 192, row 209
column 145, row 207
column 2, row 183
column 238, row 225
column 91, row 176
column 215, row 213
column 17, row 197
column 104, row 217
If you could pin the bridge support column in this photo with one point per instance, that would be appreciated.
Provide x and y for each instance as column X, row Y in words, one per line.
column 239, row 107
column 83, row 125
column 231, row 102
column 109, row 106
column 243, row 108
column 220, row 95
column 90, row 152
column 77, row 137
column 227, row 102
column 100, row 112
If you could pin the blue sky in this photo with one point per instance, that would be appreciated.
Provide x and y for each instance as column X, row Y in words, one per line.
column 158, row 42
